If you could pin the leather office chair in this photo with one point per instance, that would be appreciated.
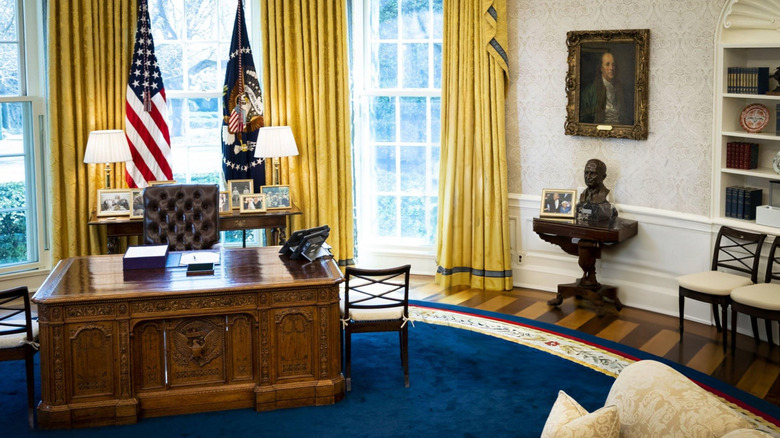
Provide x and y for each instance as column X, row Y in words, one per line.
column 376, row 300
column 18, row 338
column 736, row 250
column 184, row 216
column 759, row 300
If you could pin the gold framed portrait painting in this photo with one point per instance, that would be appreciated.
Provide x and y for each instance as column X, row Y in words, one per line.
column 606, row 83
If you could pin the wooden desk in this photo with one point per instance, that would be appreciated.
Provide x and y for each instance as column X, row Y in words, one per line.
column 276, row 220
column 591, row 238
column 262, row 332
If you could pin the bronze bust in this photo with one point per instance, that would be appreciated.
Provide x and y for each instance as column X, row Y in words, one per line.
column 593, row 205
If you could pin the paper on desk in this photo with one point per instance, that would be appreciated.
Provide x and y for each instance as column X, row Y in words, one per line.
column 146, row 251
column 199, row 257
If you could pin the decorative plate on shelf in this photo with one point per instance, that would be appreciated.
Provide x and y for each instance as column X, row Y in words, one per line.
column 754, row 117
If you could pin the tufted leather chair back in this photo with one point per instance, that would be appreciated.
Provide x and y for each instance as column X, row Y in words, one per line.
column 182, row 215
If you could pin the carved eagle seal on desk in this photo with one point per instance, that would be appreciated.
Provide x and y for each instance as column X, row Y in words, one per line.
column 197, row 341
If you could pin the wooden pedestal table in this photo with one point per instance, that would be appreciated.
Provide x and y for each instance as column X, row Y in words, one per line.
column 262, row 332
column 585, row 240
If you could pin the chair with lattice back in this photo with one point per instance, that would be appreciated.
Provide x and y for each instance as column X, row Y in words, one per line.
column 736, row 250
column 18, row 338
column 760, row 300
column 375, row 300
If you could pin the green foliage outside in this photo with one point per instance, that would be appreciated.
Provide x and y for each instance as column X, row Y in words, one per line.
column 13, row 224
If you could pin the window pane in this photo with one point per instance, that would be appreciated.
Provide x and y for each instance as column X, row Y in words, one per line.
column 180, row 162
column 416, row 19
column 387, row 20
column 413, row 217
column 13, row 234
column 433, row 170
column 382, row 118
column 413, row 169
column 201, row 25
column 167, row 18
column 386, row 224
column 8, row 20
column 204, row 121
column 9, row 69
column 384, row 168
column 385, row 65
column 169, row 56
column 202, row 67
column 415, row 65
column 12, row 178
column 433, row 214
column 437, row 65
column 438, row 19
column 413, row 120
column 176, row 118
column 11, row 129
column 435, row 120
column 202, row 170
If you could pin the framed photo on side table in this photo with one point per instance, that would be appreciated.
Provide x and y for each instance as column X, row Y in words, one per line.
column 238, row 187
column 224, row 203
column 606, row 84
column 558, row 203
column 276, row 197
column 254, row 203
column 136, row 203
column 113, row 202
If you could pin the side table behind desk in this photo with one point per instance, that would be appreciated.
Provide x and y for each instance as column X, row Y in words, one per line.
column 276, row 220
column 590, row 239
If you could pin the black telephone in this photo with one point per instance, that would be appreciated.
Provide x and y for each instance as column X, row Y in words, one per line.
column 310, row 245
column 296, row 238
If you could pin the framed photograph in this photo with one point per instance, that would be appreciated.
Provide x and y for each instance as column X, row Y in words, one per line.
column 238, row 187
column 254, row 203
column 276, row 197
column 113, row 202
column 136, row 203
column 606, row 83
column 159, row 183
column 558, row 203
column 224, row 203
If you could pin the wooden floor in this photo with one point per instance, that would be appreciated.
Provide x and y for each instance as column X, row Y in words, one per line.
column 754, row 368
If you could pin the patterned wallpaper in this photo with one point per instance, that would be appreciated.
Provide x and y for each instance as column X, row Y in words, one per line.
column 671, row 170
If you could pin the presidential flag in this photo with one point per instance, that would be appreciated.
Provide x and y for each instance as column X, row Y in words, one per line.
column 242, row 110
column 145, row 111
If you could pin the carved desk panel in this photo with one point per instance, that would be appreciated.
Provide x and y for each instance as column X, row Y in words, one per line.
column 262, row 332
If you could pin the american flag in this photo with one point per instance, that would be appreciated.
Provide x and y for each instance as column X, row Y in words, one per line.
column 242, row 110
column 145, row 110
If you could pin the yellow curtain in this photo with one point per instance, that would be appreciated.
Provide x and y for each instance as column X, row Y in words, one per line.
column 473, row 234
column 90, row 44
column 306, row 85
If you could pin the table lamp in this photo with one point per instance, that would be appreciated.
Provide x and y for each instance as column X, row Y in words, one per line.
column 108, row 147
column 274, row 142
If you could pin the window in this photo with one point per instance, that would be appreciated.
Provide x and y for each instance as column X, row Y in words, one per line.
column 192, row 43
column 21, row 115
column 396, row 79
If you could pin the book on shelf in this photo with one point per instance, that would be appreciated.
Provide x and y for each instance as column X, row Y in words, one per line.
column 741, row 202
column 747, row 80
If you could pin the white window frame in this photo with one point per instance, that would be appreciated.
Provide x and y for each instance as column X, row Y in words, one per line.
column 32, row 90
column 384, row 251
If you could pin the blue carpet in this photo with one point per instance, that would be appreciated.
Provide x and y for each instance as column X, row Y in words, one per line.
column 463, row 384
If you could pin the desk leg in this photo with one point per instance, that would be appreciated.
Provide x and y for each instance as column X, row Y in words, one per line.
column 113, row 244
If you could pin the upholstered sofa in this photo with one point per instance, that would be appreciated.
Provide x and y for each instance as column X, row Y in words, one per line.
column 650, row 399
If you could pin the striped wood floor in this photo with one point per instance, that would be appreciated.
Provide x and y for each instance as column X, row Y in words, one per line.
column 754, row 368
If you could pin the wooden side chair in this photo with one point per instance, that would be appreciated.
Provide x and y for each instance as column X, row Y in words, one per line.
column 759, row 300
column 375, row 300
column 18, row 338
column 736, row 250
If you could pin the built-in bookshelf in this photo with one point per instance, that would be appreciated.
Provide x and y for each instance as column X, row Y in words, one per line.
column 741, row 47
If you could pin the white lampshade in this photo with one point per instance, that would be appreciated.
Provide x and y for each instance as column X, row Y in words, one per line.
column 275, row 141
column 108, row 146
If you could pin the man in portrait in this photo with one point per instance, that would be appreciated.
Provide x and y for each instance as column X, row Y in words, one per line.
column 606, row 100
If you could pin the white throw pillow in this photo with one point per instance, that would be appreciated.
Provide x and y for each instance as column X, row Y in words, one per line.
column 568, row 419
